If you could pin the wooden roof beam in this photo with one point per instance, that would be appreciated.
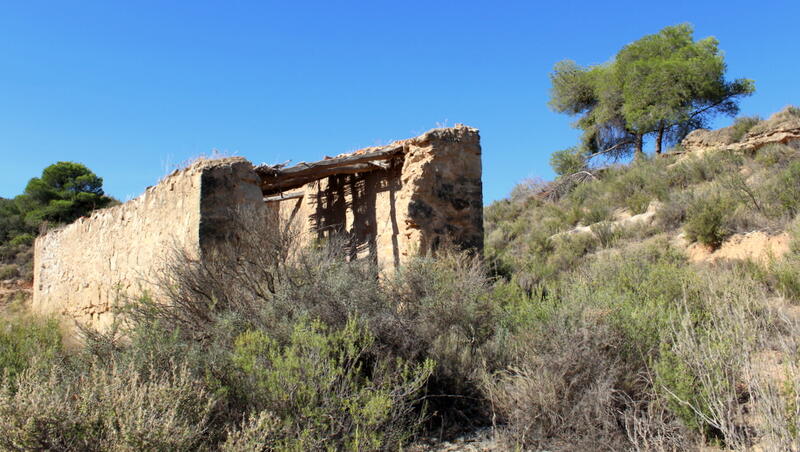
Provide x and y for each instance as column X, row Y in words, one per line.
column 274, row 180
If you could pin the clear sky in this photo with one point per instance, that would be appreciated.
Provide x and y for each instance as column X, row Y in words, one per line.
column 132, row 89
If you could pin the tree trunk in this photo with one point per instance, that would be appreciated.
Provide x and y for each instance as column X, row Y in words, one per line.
column 639, row 153
column 659, row 138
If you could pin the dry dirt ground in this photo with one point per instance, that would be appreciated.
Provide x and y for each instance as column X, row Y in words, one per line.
column 753, row 245
column 14, row 290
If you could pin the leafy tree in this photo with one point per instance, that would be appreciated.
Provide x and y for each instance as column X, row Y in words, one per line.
column 65, row 192
column 673, row 84
column 11, row 222
column 665, row 84
column 592, row 94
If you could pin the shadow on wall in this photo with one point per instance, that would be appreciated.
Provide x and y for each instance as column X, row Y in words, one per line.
column 348, row 204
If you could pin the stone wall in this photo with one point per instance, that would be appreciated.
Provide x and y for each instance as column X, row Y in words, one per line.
column 425, row 193
column 82, row 269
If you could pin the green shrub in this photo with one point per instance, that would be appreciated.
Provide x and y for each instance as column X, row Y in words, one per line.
column 638, row 202
column 635, row 186
column 27, row 341
column 703, row 168
column 8, row 271
column 672, row 213
column 639, row 289
column 785, row 276
column 737, row 187
column 596, row 213
column 783, row 192
column 607, row 233
column 568, row 161
column 706, row 220
column 570, row 247
column 323, row 391
column 742, row 125
column 22, row 239
column 776, row 154
column 783, row 273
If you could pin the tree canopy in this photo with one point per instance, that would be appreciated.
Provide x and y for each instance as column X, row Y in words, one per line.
column 65, row 192
column 665, row 85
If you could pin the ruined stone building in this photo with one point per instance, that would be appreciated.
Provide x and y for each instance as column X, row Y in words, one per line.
column 392, row 202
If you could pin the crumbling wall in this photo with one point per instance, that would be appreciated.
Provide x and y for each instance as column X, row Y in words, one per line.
column 405, row 199
column 442, row 194
column 429, row 194
column 82, row 269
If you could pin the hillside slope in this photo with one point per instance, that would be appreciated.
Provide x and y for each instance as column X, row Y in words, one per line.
column 661, row 296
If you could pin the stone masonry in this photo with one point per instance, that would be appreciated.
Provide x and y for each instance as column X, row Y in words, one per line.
column 392, row 203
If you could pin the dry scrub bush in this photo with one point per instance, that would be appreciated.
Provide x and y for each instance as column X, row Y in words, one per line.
column 775, row 372
column 607, row 233
column 579, row 356
column 788, row 116
column 703, row 369
column 236, row 276
column 8, row 271
column 703, row 168
column 261, row 288
column 776, row 393
column 651, row 426
column 636, row 349
column 776, row 155
column 562, row 392
column 672, row 213
column 104, row 407
column 259, row 432
column 433, row 308
column 638, row 185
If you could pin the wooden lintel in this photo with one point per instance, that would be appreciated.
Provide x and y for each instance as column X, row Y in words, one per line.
column 284, row 196
column 273, row 181
column 272, row 178
column 270, row 188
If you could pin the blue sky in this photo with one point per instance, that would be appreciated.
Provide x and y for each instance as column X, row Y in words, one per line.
column 132, row 89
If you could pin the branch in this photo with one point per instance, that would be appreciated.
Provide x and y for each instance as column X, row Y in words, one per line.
column 612, row 148
column 717, row 104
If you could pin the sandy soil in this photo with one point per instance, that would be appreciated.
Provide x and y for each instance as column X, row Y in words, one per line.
column 757, row 245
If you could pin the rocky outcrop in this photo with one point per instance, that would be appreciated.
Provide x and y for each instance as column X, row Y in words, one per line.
column 782, row 127
column 622, row 220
